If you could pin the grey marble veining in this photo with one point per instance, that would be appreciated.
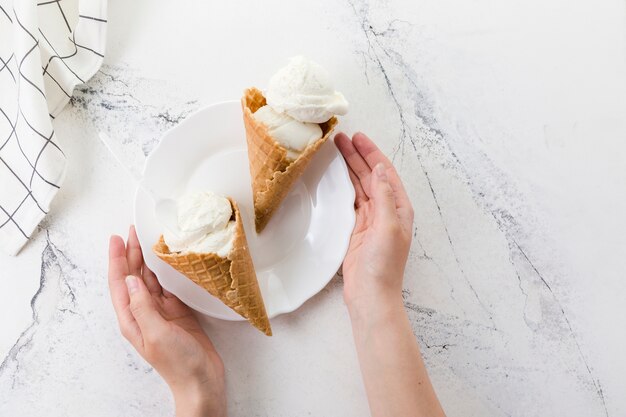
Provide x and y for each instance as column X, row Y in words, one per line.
column 514, row 315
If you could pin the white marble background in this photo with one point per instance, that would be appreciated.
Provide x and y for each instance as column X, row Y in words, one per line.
column 506, row 121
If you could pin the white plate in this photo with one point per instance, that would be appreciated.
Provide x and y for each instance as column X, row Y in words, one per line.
column 303, row 245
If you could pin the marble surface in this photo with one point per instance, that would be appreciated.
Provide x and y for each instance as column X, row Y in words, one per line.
column 506, row 122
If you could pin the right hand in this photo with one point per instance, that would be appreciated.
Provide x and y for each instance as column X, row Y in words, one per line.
column 374, row 265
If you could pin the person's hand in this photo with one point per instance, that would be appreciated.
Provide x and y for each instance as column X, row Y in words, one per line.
column 374, row 265
column 394, row 374
column 165, row 332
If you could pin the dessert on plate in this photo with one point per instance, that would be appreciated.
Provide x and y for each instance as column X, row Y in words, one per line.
column 285, row 127
column 210, row 248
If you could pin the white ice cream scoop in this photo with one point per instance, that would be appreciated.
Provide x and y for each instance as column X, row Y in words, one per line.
column 303, row 90
column 287, row 131
column 165, row 209
column 205, row 222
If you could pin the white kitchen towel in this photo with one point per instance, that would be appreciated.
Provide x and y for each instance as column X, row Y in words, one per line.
column 47, row 47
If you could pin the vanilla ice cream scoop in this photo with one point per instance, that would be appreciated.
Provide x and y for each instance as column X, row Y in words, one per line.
column 293, row 135
column 304, row 91
column 205, row 225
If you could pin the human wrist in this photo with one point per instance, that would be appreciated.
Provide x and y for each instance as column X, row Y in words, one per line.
column 193, row 407
column 197, row 400
column 371, row 308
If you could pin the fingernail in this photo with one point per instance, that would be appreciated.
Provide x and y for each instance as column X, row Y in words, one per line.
column 381, row 172
column 131, row 284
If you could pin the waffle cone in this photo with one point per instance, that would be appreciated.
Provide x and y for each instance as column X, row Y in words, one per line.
column 272, row 173
column 231, row 279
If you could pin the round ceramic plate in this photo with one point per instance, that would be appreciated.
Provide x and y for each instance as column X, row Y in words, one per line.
column 302, row 246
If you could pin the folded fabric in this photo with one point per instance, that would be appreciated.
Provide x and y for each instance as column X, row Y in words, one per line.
column 46, row 49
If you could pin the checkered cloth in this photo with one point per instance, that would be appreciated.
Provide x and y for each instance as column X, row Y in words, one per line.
column 46, row 49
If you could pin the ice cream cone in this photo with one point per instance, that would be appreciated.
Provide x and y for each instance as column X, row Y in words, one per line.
column 231, row 279
column 273, row 174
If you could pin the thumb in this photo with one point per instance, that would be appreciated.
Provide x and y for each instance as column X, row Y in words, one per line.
column 382, row 193
column 142, row 307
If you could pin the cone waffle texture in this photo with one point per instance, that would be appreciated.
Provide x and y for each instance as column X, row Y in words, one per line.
column 273, row 174
column 231, row 279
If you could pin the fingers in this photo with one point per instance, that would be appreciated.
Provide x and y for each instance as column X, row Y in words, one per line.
column 404, row 207
column 137, row 266
column 384, row 200
column 144, row 309
column 369, row 151
column 344, row 143
column 118, row 265
column 360, row 196
column 118, row 270
column 152, row 283
column 362, row 155
column 373, row 156
column 168, row 294
column 133, row 253
column 355, row 161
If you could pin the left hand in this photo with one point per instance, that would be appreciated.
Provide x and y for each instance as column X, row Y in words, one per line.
column 165, row 332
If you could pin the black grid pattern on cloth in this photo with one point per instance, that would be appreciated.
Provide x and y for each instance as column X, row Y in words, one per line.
column 24, row 140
